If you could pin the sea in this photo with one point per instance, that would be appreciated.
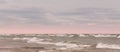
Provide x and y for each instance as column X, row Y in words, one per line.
column 60, row 43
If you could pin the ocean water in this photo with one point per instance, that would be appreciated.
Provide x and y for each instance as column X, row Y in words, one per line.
column 57, row 43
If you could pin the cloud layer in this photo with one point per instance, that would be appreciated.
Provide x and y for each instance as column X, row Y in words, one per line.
column 56, row 13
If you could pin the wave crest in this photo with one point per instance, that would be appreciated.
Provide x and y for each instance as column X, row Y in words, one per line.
column 109, row 46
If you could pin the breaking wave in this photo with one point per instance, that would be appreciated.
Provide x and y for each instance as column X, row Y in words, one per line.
column 82, row 35
column 109, row 46
column 104, row 35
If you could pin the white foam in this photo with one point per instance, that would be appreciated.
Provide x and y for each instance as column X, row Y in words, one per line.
column 73, row 46
column 16, row 38
column 43, row 51
column 82, row 35
column 61, row 44
column 62, row 48
column 110, row 46
column 33, row 40
column 118, row 36
column 39, row 41
column 84, row 46
column 100, row 35
column 21, row 38
column 69, row 45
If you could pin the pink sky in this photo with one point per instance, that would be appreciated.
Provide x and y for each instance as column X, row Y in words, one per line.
column 75, row 29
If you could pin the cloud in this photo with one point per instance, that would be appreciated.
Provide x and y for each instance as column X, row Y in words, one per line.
column 72, row 15
column 54, row 12
column 1, row 1
column 20, row 15
column 81, row 16
column 93, row 15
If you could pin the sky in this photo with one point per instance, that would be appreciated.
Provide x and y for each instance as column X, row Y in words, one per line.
column 59, row 16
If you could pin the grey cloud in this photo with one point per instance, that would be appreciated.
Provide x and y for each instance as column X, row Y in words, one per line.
column 2, row 1
column 93, row 15
column 10, row 16
column 72, row 16
column 25, row 16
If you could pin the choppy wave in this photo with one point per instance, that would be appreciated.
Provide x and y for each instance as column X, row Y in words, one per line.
column 118, row 36
column 87, row 35
column 82, row 35
column 21, row 38
column 104, row 35
column 109, row 46
column 60, row 35
column 62, row 45
column 32, row 39
column 66, row 45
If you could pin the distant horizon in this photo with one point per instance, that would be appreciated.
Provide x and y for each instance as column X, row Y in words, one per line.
column 59, row 33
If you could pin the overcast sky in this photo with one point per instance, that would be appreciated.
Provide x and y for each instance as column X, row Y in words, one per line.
column 59, row 16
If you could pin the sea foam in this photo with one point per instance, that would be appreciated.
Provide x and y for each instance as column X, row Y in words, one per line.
column 109, row 46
